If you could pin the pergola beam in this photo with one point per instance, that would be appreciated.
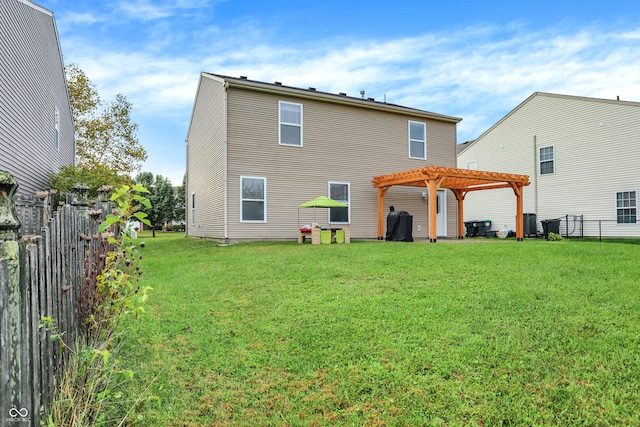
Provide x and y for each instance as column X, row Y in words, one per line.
column 459, row 181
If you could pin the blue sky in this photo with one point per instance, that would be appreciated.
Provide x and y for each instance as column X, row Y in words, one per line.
column 471, row 59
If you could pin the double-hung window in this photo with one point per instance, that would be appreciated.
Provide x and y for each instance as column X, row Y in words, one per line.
column 626, row 207
column 253, row 199
column 339, row 191
column 290, row 124
column 547, row 159
column 193, row 208
column 417, row 140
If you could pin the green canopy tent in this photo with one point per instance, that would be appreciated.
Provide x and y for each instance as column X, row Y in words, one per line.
column 320, row 202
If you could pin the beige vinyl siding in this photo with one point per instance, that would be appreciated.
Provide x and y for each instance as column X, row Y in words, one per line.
column 205, row 161
column 595, row 156
column 32, row 86
column 341, row 144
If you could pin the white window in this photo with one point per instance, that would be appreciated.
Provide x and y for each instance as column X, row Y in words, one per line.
column 56, row 126
column 417, row 140
column 193, row 208
column 473, row 165
column 547, row 160
column 253, row 199
column 339, row 191
column 290, row 124
column 627, row 207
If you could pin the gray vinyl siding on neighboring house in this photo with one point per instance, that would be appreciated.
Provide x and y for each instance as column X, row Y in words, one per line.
column 205, row 161
column 341, row 144
column 32, row 87
column 595, row 154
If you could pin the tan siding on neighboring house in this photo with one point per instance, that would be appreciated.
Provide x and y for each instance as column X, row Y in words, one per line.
column 341, row 144
column 596, row 154
column 205, row 161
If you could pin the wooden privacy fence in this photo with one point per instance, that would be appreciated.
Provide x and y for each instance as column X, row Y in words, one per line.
column 46, row 274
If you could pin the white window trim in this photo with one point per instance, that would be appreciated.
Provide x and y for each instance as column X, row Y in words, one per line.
column 193, row 208
column 280, row 123
column 348, row 184
column 615, row 202
column 424, row 125
column 540, row 161
column 264, row 200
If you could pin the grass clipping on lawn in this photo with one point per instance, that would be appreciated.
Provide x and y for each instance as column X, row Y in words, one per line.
column 387, row 333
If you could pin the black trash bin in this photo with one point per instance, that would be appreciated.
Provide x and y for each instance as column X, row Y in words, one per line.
column 483, row 227
column 550, row 226
column 399, row 226
column 530, row 225
column 471, row 230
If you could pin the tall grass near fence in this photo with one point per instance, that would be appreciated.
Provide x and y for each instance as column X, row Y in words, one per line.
column 388, row 333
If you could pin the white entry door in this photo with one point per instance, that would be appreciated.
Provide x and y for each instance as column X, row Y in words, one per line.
column 441, row 214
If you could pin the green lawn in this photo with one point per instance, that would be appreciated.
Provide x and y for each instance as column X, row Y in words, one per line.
column 486, row 333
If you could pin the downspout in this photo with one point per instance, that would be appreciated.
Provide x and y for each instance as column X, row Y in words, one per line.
column 535, row 174
column 225, row 162
column 187, row 202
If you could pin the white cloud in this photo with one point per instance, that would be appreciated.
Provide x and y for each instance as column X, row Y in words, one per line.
column 82, row 18
column 142, row 10
column 477, row 73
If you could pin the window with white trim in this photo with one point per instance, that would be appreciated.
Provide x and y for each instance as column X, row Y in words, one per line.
column 627, row 207
column 193, row 208
column 472, row 165
column 56, row 129
column 417, row 140
column 547, row 158
column 290, row 124
column 253, row 199
column 341, row 192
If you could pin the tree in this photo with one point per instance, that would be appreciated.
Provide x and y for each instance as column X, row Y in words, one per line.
column 181, row 201
column 105, row 134
column 161, row 196
column 106, row 143
column 95, row 177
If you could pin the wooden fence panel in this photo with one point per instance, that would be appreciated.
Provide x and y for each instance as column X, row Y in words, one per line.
column 48, row 272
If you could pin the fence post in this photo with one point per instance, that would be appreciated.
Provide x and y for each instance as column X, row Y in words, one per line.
column 80, row 200
column 16, row 403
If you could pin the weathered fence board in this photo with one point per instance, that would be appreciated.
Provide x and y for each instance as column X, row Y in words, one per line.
column 50, row 271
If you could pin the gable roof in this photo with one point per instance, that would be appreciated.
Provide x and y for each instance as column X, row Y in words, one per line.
column 550, row 95
column 312, row 93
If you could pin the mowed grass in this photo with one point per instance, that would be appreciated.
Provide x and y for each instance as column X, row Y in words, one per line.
column 498, row 333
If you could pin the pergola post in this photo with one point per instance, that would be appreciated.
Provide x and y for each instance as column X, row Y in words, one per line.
column 432, row 185
column 460, row 198
column 517, row 190
column 381, row 192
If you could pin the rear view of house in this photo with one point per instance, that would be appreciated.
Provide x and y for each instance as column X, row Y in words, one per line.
column 36, row 125
column 582, row 156
column 255, row 151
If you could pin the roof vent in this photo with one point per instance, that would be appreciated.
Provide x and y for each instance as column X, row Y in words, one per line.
column 371, row 99
column 243, row 77
column 313, row 89
column 278, row 83
column 342, row 94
